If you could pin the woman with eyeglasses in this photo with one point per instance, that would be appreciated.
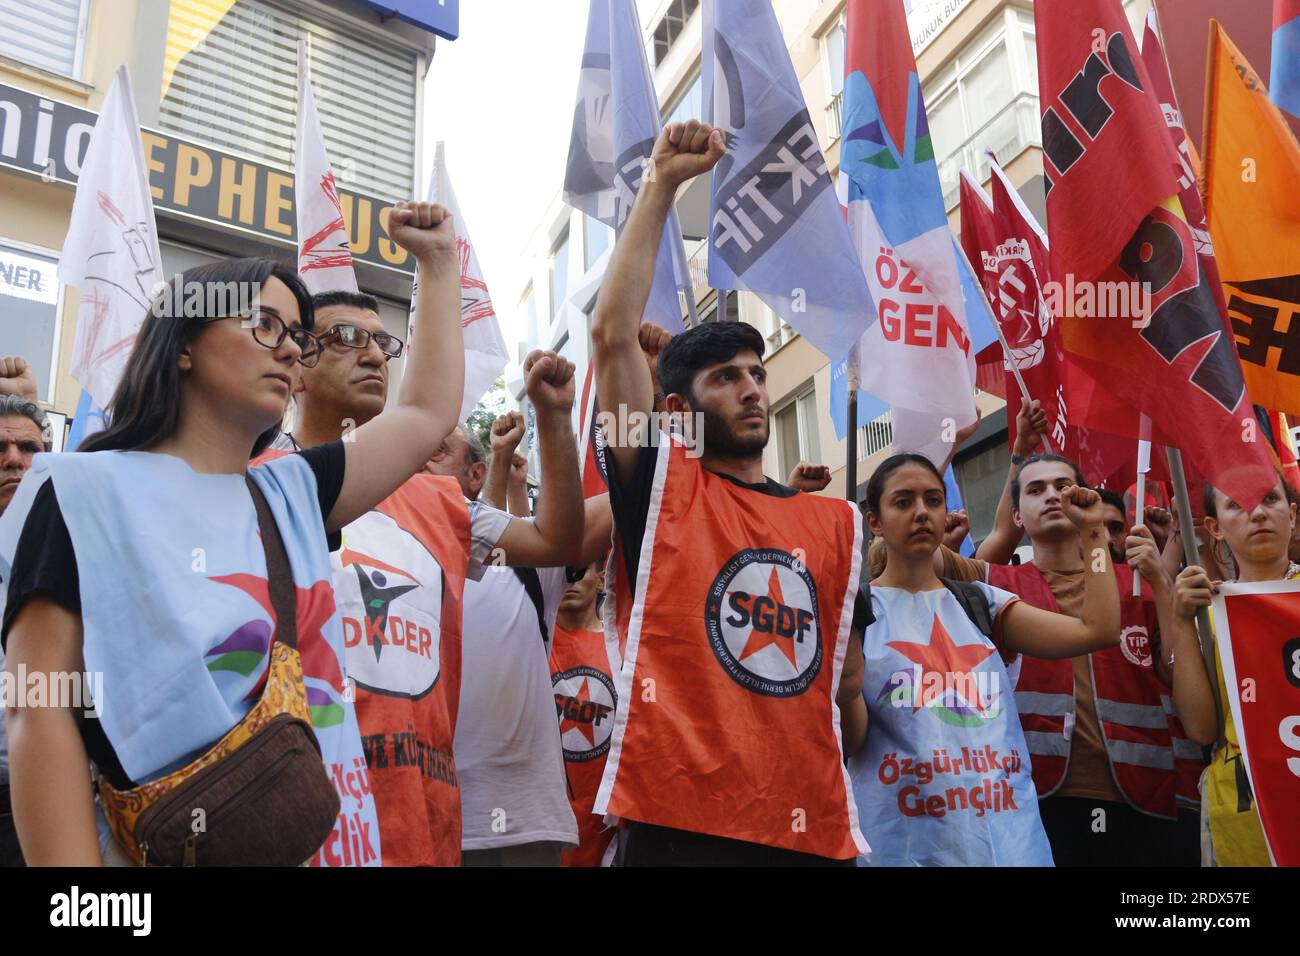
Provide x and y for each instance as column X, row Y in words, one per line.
column 142, row 565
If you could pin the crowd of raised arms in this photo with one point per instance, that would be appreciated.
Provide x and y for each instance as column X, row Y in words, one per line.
column 357, row 642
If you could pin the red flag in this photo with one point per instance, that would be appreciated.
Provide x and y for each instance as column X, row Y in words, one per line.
column 591, row 440
column 1138, row 313
column 1254, row 624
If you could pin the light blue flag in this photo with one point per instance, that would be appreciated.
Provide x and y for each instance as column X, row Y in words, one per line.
column 1284, row 83
column 776, row 228
column 86, row 420
column 955, row 503
column 615, row 125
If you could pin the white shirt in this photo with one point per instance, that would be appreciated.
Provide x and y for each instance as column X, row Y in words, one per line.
column 508, row 753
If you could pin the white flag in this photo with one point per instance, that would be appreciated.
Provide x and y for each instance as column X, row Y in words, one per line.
column 111, row 251
column 324, row 259
column 485, row 348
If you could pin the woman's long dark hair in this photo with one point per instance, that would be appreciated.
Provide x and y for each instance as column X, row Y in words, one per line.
column 146, row 407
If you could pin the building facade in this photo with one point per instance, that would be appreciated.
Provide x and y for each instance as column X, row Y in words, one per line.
column 215, row 85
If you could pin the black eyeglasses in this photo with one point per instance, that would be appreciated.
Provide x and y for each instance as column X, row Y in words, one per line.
column 270, row 331
column 356, row 338
column 573, row 575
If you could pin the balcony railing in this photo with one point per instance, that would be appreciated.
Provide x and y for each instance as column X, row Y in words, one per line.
column 1009, row 132
column 834, row 117
column 875, row 436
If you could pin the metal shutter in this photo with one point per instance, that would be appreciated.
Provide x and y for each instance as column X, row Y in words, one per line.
column 238, row 89
column 47, row 34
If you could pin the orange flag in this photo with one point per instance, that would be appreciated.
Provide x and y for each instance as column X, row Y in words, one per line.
column 1252, row 201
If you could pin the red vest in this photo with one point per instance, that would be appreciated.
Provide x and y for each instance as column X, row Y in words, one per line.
column 585, row 704
column 1151, row 759
column 732, row 647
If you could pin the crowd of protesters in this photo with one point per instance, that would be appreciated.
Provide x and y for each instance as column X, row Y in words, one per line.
column 705, row 666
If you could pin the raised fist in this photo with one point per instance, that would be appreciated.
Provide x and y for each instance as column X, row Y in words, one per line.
column 1082, row 506
column 424, row 229
column 507, row 431
column 16, row 377
column 684, row 151
column 549, row 381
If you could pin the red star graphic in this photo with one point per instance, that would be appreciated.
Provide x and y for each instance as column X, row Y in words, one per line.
column 757, row 641
column 315, row 605
column 941, row 656
column 587, row 730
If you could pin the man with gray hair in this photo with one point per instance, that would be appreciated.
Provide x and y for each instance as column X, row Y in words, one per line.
column 400, row 572
column 23, row 427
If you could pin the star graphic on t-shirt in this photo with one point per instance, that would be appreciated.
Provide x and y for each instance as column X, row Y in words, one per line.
column 761, row 639
column 583, row 695
column 954, row 663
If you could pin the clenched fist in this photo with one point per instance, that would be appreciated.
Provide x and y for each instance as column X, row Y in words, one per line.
column 809, row 478
column 16, row 377
column 506, row 433
column 549, row 381
column 684, row 151
column 1082, row 506
column 424, row 229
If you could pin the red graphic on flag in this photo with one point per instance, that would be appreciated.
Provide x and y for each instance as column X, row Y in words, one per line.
column 952, row 664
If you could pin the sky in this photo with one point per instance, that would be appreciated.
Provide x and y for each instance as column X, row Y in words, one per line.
column 501, row 97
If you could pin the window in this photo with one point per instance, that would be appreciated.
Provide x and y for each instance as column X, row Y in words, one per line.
column 528, row 306
column 833, row 46
column 234, row 84
column 724, row 308
column 596, row 239
column 980, row 477
column 31, row 299
column 50, row 34
column 987, row 98
column 671, row 27
column 690, row 105
column 796, row 430
column 875, row 436
column 559, row 273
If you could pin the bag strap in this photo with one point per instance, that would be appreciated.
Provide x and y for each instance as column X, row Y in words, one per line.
column 279, row 578
column 972, row 601
column 533, row 585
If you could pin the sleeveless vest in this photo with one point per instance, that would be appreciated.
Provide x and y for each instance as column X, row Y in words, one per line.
column 399, row 580
column 1151, row 759
column 731, row 657
column 585, row 704
column 177, row 617
column 943, row 779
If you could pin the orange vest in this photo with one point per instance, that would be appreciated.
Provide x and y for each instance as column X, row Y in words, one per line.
column 399, row 582
column 732, row 646
column 1151, row 759
column 585, row 704
column 399, row 585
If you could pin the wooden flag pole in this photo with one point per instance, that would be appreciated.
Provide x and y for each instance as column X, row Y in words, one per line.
column 1184, row 505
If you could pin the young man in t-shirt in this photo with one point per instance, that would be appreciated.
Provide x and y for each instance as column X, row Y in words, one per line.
column 401, row 573
column 733, row 595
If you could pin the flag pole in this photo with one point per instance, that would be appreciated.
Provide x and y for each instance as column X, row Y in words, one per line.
column 1184, row 506
column 853, row 378
column 1006, row 351
column 1143, row 466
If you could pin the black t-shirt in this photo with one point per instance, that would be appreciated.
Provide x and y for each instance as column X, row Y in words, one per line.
column 630, row 503
column 44, row 561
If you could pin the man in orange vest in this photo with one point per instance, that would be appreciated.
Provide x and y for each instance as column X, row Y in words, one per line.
column 400, row 572
column 1115, row 772
column 733, row 596
column 582, row 681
